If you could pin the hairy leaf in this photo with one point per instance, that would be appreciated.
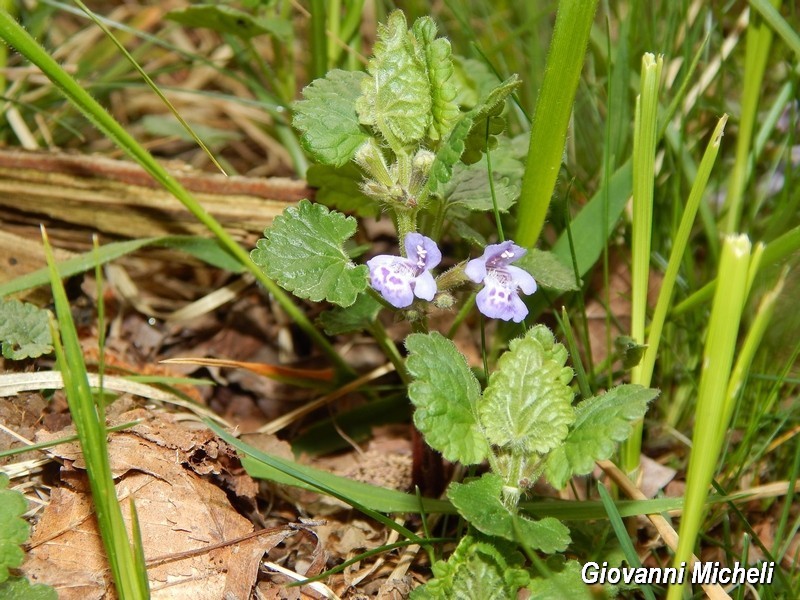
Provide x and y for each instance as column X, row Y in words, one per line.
column 479, row 502
column 450, row 152
column 469, row 186
column 303, row 251
column 600, row 422
column 340, row 188
column 548, row 270
column 327, row 119
column 226, row 19
column 396, row 100
column 526, row 407
column 13, row 529
column 19, row 587
column 24, row 330
column 444, row 392
column 566, row 584
column 439, row 68
column 357, row 317
column 476, row 570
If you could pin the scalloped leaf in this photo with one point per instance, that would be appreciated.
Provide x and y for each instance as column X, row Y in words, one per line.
column 439, row 68
column 327, row 119
column 566, row 584
column 444, row 392
column 19, row 587
column 303, row 251
column 357, row 317
column 479, row 502
column 24, row 330
column 600, row 422
column 450, row 152
column 527, row 406
column 469, row 186
column 548, row 270
column 397, row 99
column 13, row 529
column 477, row 569
column 340, row 188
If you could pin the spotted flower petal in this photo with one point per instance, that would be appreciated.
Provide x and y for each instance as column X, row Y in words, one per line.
column 499, row 298
column 398, row 279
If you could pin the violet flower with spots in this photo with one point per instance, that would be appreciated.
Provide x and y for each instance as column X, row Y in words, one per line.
column 499, row 298
column 399, row 279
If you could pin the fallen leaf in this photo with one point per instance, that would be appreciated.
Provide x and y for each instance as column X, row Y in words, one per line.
column 192, row 536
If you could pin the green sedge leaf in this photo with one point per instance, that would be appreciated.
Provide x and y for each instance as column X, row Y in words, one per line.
column 340, row 188
column 600, row 422
column 476, row 570
column 303, row 251
column 226, row 19
column 396, row 100
column 24, row 330
column 439, row 68
column 527, row 406
column 548, row 270
column 14, row 530
column 479, row 502
column 327, row 119
column 445, row 393
column 357, row 317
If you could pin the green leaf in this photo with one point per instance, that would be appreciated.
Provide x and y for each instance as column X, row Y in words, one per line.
column 13, row 529
column 361, row 315
column 327, row 119
column 396, row 100
column 566, row 584
column 600, row 422
column 548, row 270
column 527, row 406
column 476, row 570
column 303, row 252
column 24, row 330
column 226, row 19
column 630, row 352
column 479, row 502
column 450, row 152
column 469, row 186
column 19, row 587
column 340, row 188
column 473, row 79
column 445, row 392
column 439, row 68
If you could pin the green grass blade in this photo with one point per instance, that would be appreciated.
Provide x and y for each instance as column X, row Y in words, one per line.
column 204, row 249
column 622, row 535
column 92, row 436
column 348, row 491
column 769, row 12
column 16, row 36
column 151, row 84
column 758, row 40
column 644, row 155
column 679, row 246
column 726, row 313
column 551, row 119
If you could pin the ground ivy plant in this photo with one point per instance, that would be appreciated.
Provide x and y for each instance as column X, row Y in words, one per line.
column 418, row 137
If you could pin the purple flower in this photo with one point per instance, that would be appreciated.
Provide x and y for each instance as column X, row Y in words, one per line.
column 399, row 279
column 499, row 298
